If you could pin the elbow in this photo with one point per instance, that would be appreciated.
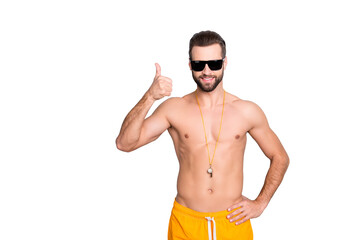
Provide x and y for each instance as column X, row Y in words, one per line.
column 123, row 147
column 282, row 159
column 286, row 161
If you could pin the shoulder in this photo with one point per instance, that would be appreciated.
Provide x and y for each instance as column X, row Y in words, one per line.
column 244, row 105
column 180, row 101
column 248, row 109
column 172, row 102
column 171, row 109
column 170, row 105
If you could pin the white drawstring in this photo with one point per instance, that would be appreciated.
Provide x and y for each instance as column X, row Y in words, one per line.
column 209, row 227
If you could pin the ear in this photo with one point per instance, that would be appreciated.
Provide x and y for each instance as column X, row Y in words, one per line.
column 190, row 65
column 225, row 62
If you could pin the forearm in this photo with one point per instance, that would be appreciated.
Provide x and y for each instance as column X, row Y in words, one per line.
column 274, row 177
column 131, row 127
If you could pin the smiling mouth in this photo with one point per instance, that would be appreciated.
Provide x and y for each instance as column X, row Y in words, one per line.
column 207, row 79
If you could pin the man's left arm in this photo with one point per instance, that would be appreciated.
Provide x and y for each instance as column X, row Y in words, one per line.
column 279, row 162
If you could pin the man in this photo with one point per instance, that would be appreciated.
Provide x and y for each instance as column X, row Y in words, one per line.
column 208, row 128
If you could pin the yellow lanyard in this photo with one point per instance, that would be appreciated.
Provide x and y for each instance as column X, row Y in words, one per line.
column 210, row 170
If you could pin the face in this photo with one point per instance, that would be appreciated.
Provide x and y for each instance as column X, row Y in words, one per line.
column 207, row 79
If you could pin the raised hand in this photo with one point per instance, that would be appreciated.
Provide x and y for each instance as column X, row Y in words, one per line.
column 161, row 86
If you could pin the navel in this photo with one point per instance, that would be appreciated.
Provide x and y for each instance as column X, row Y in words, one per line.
column 210, row 190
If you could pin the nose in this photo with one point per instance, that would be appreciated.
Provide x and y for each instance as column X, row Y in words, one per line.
column 206, row 70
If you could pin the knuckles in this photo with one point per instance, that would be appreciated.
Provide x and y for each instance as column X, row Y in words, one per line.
column 162, row 86
column 237, row 212
column 166, row 79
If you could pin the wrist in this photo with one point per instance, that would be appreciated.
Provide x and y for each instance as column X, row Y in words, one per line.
column 262, row 203
column 149, row 96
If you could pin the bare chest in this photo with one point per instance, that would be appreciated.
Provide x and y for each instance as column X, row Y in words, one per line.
column 190, row 130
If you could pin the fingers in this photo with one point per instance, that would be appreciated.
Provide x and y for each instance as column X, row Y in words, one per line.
column 161, row 86
column 164, row 83
column 239, row 213
column 242, row 220
column 237, row 205
column 248, row 209
column 158, row 70
column 234, row 213
column 240, row 216
column 165, row 86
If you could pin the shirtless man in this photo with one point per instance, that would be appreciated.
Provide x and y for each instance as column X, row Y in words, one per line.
column 208, row 127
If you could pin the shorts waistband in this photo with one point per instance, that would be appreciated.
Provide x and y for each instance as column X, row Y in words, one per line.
column 196, row 214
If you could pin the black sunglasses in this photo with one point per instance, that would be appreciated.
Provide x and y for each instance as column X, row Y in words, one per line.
column 214, row 65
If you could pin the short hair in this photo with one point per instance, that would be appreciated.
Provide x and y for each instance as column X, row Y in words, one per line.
column 207, row 38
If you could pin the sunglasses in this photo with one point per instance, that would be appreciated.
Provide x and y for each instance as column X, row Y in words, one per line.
column 214, row 65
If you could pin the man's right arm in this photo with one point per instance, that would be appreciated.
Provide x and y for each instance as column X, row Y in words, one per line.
column 137, row 131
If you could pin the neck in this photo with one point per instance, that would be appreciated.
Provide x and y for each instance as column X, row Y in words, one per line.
column 211, row 99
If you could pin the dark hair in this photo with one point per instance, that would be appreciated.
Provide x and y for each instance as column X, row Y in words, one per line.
column 207, row 38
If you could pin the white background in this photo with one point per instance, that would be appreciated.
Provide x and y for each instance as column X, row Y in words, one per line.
column 70, row 71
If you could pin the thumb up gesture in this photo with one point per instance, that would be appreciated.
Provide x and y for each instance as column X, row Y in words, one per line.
column 161, row 86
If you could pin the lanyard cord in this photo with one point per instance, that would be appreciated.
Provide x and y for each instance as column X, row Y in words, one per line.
column 202, row 118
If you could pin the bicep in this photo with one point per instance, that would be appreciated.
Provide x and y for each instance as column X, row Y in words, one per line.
column 153, row 126
column 262, row 133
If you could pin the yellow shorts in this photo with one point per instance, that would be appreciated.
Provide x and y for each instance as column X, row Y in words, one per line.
column 189, row 224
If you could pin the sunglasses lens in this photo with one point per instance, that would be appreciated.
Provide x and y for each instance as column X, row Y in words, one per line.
column 215, row 64
column 200, row 65
column 197, row 65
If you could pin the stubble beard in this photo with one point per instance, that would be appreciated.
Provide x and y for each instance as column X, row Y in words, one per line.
column 208, row 87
